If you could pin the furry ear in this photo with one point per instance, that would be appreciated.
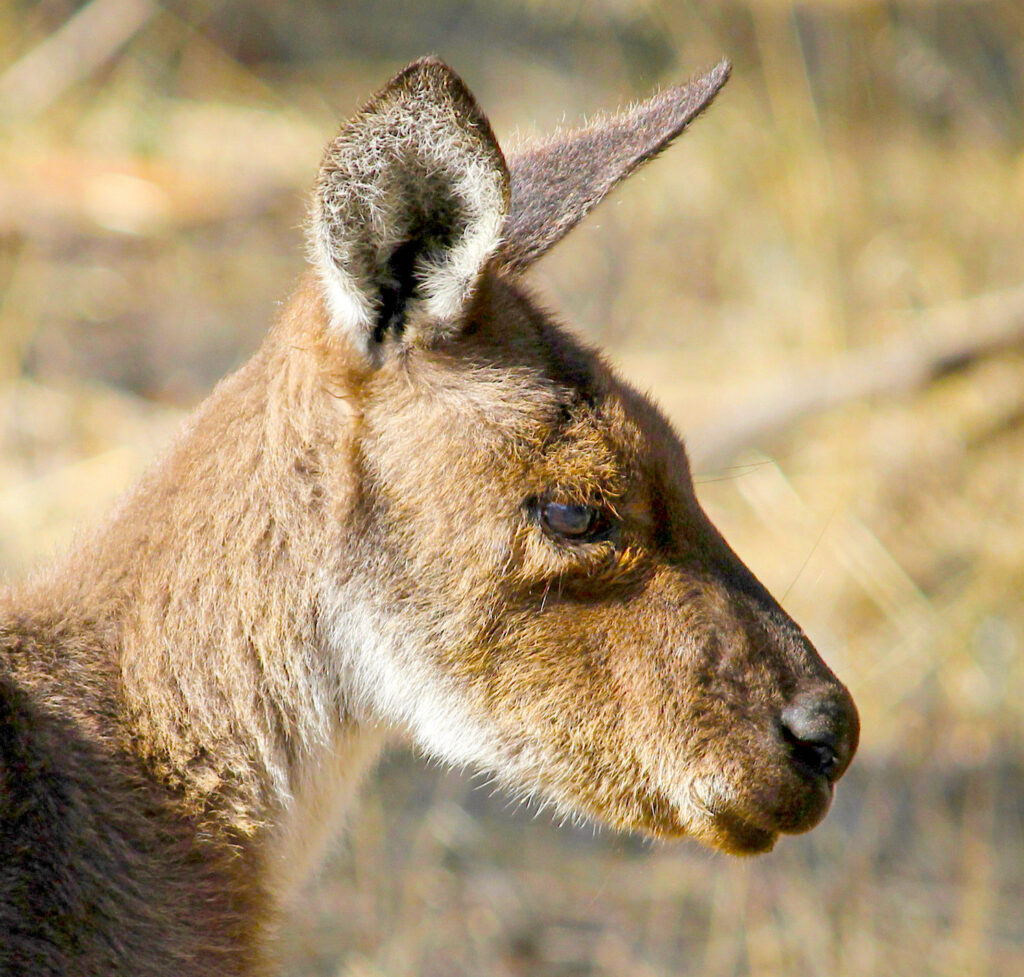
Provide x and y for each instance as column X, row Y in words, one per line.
column 409, row 205
column 556, row 182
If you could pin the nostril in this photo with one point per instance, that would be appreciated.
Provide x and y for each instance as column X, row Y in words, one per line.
column 818, row 729
column 818, row 757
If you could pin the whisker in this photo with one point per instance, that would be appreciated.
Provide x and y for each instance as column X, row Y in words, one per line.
column 813, row 550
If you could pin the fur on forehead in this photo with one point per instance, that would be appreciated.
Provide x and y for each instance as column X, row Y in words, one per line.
column 408, row 207
column 508, row 342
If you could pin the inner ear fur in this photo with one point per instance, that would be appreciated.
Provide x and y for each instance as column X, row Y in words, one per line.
column 408, row 208
column 557, row 181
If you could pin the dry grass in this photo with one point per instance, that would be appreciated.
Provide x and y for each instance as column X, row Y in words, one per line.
column 865, row 166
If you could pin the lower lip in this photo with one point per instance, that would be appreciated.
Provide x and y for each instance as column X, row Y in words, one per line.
column 815, row 806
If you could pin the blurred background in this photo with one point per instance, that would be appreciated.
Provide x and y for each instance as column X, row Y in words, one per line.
column 823, row 284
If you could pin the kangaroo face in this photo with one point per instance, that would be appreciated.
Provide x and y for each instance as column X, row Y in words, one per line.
column 421, row 507
column 525, row 581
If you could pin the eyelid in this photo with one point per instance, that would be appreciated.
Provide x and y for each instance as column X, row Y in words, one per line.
column 601, row 523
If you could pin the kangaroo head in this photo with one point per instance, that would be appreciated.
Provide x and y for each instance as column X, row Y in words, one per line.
column 521, row 577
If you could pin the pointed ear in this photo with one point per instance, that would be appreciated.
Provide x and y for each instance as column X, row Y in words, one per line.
column 409, row 206
column 558, row 181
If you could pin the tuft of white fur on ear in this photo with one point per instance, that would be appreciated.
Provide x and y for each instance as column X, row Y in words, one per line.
column 409, row 206
column 448, row 278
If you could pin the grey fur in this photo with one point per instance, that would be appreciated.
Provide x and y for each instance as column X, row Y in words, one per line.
column 418, row 167
column 558, row 181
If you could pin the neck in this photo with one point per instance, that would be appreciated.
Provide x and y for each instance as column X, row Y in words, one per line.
column 202, row 595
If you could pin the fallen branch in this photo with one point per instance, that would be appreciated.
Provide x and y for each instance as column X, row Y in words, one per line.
column 939, row 341
column 82, row 44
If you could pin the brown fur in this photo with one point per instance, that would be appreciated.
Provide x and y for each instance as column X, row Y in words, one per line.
column 348, row 544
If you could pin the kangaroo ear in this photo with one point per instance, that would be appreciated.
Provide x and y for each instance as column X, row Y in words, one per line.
column 556, row 182
column 409, row 205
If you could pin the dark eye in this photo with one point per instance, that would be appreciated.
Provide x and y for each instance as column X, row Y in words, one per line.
column 572, row 521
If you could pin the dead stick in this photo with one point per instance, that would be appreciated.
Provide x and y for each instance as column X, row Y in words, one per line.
column 81, row 45
column 938, row 341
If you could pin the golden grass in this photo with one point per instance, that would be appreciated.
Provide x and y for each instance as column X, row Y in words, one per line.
column 865, row 164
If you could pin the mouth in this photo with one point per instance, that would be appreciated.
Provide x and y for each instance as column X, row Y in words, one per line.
column 736, row 836
column 800, row 810
column 752, row 824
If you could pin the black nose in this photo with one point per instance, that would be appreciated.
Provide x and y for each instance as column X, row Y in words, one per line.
column 821, row 729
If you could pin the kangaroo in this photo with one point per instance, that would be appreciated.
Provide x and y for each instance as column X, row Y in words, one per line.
column 421, row 511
